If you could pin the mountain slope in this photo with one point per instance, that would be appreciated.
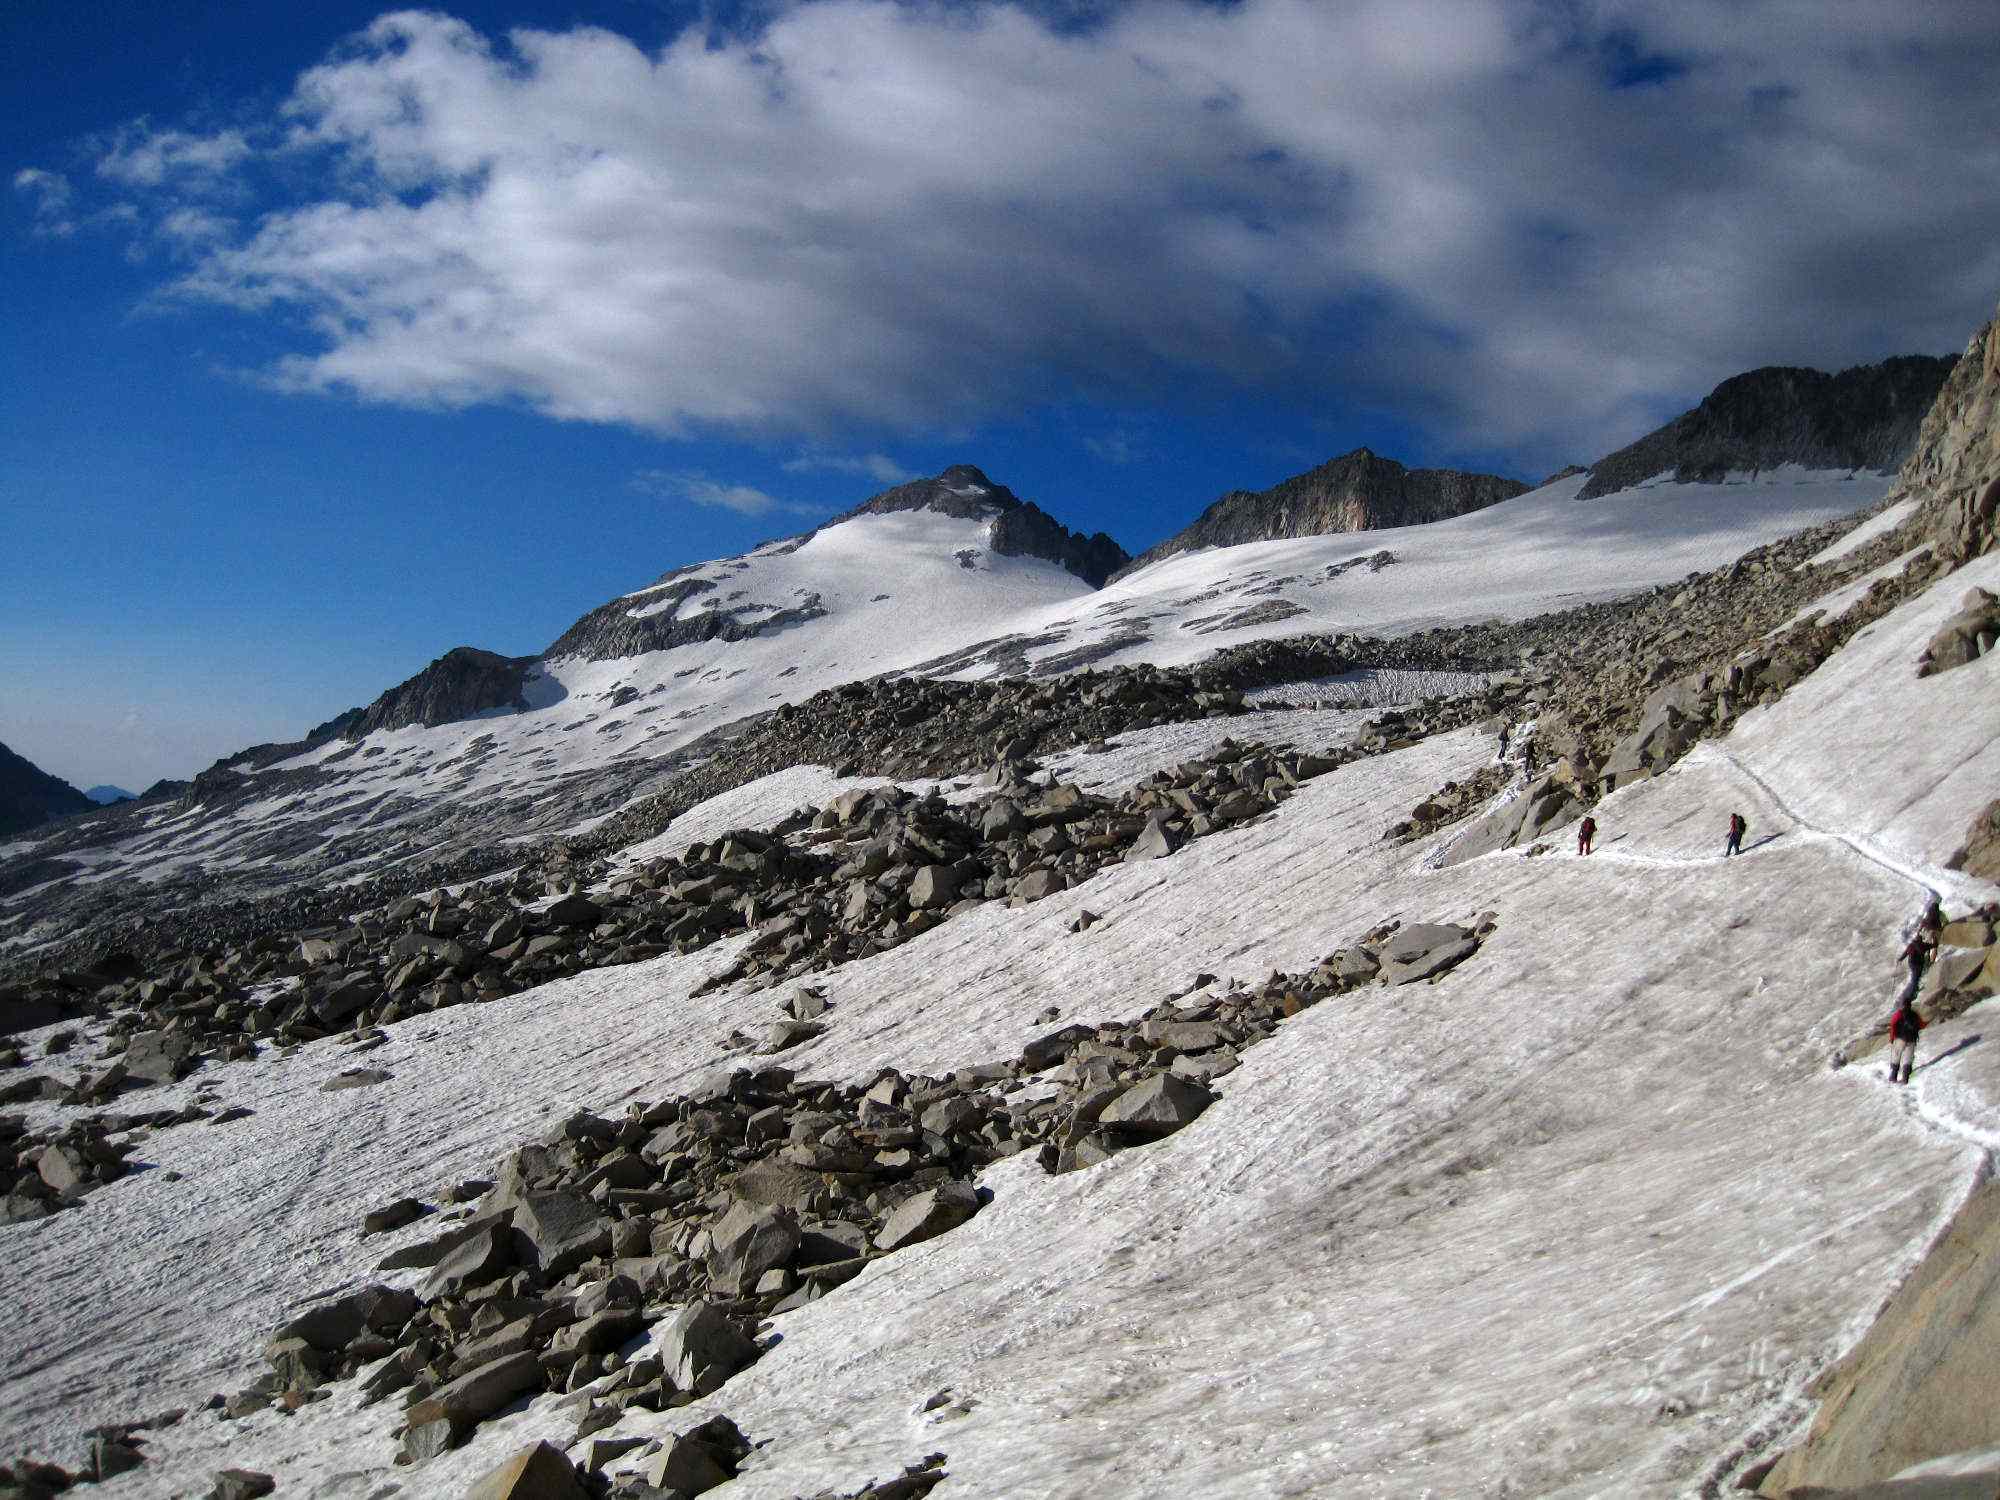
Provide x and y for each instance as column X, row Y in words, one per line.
column 29, row 796
column 1862, row 418
column 1358, row 491
column 1499, row 1234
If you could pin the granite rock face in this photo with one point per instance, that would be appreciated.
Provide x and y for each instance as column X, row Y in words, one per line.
column 1863, row 418
column 463, row 682
column 1359, row 491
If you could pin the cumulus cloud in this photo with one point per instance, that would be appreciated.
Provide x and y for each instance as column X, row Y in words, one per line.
column 695, row 488
column 49, row 197
column 1524, row 226
column 877, row 466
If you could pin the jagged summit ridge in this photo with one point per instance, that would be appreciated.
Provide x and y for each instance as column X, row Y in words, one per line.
column 1358, row 491
column 1862, row 418
column 1020, row 527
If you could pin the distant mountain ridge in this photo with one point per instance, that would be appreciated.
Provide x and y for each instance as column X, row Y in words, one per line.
column 30, row 796
column 1358, row 491
column 106, row 794
column 1862, row 418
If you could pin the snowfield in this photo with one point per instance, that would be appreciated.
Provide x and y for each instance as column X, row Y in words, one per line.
column 1580, row 1219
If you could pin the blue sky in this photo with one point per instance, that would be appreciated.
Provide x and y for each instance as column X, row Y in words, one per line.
column 336, row 336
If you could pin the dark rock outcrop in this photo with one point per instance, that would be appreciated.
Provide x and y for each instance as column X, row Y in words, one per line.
column 1863, row 418
column 612, row 630
column 463, row 682
column 1955, row 466
column 1358, row 491
column 30, row 796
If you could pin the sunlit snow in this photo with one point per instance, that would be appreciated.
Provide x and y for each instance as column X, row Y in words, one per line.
column 1582, row 1218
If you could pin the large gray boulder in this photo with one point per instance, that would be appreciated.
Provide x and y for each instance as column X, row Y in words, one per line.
column 1155, row 841
column 927, row 1215
column 479, row 1258
column 538, row 1472
column 479, row 1393
column 159, row 1056
column 557, row 1232
column 1156, row 1106
column 700, row 1349
column 748, row 1241
column 1546, row 804
column 935, row 886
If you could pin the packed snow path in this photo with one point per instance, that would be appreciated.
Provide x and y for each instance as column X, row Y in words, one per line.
column 1571, row 1222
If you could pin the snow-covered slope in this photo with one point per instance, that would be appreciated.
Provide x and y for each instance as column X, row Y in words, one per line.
column 923, row 590
column 1541, row 551
column 1581, row 1219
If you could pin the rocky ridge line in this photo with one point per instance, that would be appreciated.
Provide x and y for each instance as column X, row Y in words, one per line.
column 1866, row 417
column 1357, row 491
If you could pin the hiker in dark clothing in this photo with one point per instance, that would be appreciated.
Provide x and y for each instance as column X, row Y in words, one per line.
column 1917, row 953
column 1503, row 741
column 1584, row 834
column 1737, row 828
column 1904, row 1027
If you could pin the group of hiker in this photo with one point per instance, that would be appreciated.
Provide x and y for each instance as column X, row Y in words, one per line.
column 1906, row 1023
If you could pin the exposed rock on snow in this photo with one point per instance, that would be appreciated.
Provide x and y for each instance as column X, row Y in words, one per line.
column 462, row 683
column 1358, row 491
column 1920, row 1383
column 1965, row 637
column 1863, row 418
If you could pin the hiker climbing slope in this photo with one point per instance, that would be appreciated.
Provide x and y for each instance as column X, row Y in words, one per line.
column 1917, row 953
column 1586, row 831
column 1737, row 828
column 1904, row 1027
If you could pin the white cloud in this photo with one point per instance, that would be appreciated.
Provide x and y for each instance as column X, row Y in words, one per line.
column 195, row 227
column 912, row 216
column 49, row 197
column 877, row 466
column 139, row 156
column 695, row 488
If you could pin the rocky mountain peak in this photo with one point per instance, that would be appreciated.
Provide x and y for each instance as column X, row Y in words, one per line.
column 1020, row 527
column 463, row 682
column 1862, row 418
column 30, row 796
column 1358, row 491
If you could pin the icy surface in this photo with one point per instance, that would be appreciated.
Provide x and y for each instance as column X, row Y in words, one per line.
column 1576, row 1220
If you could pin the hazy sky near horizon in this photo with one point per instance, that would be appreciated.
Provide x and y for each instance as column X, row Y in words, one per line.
column 336, row 336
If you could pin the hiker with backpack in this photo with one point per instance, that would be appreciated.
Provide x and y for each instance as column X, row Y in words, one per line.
column 1904, row 1027
column 1917, row 953
column 1586, row 831
column 1737, row 828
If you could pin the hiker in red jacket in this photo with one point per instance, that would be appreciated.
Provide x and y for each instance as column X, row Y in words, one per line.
column 1904, row 1027
column 1737, row 828
column 1585, row 832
